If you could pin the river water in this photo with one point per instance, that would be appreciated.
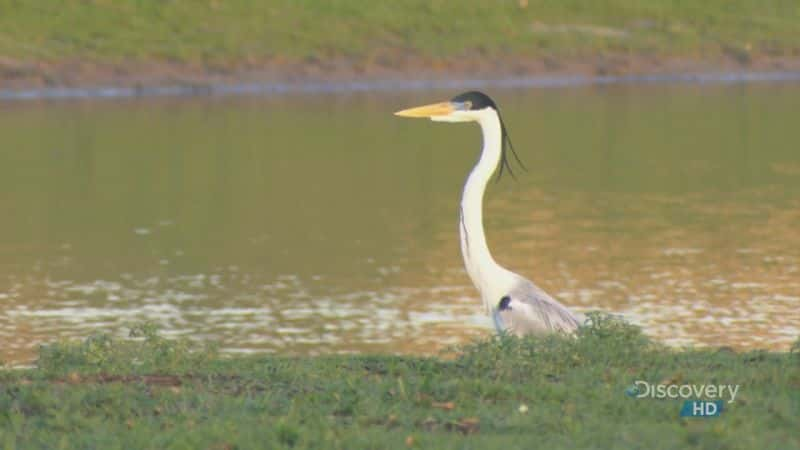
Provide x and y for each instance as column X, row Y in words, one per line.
column 310, row 224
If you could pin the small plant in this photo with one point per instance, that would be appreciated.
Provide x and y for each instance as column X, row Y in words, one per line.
column 602, row 339
column 610, row 335
column 144, row 352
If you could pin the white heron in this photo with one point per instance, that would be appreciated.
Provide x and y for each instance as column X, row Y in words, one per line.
column 516, row 304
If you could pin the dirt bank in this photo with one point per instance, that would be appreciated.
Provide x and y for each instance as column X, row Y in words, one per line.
column 16, row 75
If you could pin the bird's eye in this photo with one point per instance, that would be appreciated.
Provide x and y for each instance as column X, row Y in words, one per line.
column 505, row 303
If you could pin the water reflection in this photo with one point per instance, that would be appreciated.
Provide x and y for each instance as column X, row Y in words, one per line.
column 321, row 224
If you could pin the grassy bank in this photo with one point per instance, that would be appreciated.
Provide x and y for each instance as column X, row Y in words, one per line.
column 148, row 392
column 57, row 39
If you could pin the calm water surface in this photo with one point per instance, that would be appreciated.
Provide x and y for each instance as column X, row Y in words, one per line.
column 317, row 224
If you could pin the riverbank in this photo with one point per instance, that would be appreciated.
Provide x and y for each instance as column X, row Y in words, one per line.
column 20, row 76
column 150, row 392
column 150, row 44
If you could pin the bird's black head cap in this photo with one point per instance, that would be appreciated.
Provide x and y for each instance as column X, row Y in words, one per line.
column 478, row 100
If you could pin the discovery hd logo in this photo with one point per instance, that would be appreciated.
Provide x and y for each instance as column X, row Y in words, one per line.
column 715, row 395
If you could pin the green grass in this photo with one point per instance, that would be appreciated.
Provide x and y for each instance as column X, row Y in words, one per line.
column 150, row 392
column 241, row 32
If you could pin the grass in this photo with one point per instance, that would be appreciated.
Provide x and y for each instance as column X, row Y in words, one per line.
column 230, row 33
column 554, row 392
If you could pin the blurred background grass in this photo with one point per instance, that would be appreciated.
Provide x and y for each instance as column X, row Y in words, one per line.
column 240, row 32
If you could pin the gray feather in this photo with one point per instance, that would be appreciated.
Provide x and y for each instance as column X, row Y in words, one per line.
column 532, row 311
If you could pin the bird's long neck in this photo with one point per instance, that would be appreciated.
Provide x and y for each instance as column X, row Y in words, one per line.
column 480, row 264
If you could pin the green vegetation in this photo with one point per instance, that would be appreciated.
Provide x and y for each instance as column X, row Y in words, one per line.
column 232, row 33
column 555, row 392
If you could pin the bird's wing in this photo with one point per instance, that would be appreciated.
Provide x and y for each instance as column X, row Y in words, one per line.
column 532, row 311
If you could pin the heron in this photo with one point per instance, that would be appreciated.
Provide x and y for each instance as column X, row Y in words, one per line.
column 517, row 305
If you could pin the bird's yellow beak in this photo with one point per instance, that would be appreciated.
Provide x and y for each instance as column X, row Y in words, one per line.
column 436, row 109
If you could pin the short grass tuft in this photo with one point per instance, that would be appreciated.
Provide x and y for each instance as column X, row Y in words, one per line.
column 144, row 352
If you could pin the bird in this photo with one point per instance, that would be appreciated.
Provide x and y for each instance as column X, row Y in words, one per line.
column 517, row 305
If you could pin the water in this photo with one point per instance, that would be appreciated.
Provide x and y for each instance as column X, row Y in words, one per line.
column 309, row 224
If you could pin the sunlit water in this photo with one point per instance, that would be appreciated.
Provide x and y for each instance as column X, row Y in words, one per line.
column 319, row 224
